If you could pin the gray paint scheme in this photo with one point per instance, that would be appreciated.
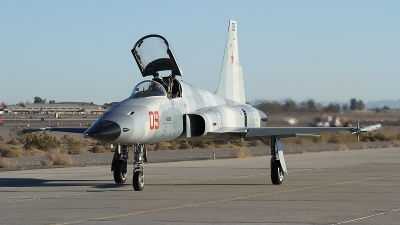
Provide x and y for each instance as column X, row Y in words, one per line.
column 165, row 109
column 157, row 115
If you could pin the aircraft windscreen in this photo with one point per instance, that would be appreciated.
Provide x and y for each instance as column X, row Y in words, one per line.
column 148, row 89
column 152, row 49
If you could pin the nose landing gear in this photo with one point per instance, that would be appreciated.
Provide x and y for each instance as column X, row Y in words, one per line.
column 138, row 173
column 119, row 165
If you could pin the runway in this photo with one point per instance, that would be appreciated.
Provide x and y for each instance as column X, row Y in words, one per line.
column 348, row 187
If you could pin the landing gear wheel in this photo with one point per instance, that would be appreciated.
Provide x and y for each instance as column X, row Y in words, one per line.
column 120, row 171
column 138, row 180
column 276, row 172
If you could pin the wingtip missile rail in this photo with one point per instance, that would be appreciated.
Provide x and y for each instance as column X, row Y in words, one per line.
column 360, row 130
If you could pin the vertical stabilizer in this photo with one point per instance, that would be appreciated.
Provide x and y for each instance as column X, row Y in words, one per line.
column 231, row 84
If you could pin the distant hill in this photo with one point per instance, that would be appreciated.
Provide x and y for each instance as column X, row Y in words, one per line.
column 393, row 104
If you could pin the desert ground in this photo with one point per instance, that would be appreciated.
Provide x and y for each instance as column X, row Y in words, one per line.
column 388, row 120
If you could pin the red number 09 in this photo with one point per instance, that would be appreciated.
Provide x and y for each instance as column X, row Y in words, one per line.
column 154, row 119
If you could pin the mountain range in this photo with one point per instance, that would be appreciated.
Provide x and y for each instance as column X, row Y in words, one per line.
column 393, row 104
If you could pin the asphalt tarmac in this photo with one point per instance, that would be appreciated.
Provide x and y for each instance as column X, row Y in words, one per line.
column 348, row 187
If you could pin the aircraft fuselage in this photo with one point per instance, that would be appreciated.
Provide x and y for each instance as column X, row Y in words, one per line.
column 153, row 119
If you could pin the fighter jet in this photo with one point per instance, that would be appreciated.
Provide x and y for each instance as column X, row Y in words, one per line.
column 166, row 109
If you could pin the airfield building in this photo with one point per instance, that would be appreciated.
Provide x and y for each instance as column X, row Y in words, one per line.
column 39, row 108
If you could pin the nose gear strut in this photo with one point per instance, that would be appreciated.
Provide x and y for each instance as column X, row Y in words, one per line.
column 138, row 174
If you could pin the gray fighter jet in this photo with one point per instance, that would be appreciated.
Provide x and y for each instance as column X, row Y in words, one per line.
column 166, row 109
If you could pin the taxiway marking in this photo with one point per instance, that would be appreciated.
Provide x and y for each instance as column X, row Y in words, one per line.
column 235, row 199
column 366, row 217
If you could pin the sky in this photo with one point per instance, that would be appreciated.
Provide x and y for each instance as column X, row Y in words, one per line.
column 80, row 50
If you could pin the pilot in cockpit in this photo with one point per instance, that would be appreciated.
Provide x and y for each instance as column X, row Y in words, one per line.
column 160, row 80
column 156, row 89
column 167, row 83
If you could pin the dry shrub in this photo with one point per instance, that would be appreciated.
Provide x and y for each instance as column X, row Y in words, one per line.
column 4, row 146
column 389, row 145
column 185, row 145
column 323, row 138
column 107, row 146
column 34, row 152
column 343, row 148
column 308, row 140
column 7, row 151
column 374, row 137
column 10, row 153
column 256, row 143
column 41, row 141
column 15, row 142
column 393, row 144
column 396, row 143
column 90, row 141
column 6, row 163
column 241, row 153
column 201, row 143
column 363, row 146
column 162, row 146
column 239, row 143
column 75, row 145
column 335, row 139
column 99, row 149
column 316, row 139
column 16, row 133
column 224, row 146
column 288, row 140
column 303, row 151
column 299, row 141
column 1, row 139
column 150, row 147
column 56, row 157
column 175, row 144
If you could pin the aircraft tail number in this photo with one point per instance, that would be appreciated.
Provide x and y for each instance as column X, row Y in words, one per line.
column 154, row 120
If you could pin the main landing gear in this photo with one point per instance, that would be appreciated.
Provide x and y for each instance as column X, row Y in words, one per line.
column 119, row 165
column 278, row 165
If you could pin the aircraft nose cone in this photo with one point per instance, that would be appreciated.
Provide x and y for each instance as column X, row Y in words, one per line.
column 106, row 130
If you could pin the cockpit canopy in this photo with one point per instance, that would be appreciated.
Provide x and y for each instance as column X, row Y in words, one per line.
column 153, row 54
column 148, row 88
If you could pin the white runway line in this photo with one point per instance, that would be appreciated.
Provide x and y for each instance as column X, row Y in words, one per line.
column 366, row 217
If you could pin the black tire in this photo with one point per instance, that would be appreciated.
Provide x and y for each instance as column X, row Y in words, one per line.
column 120, row 171
column 276, row 172
column 138, row 180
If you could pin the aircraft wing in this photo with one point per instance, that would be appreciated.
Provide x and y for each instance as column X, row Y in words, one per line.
column 79, row 130
column 248, row 132
column 291, row 131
